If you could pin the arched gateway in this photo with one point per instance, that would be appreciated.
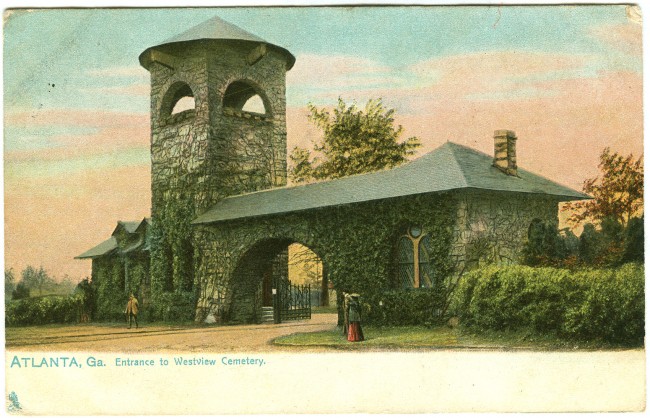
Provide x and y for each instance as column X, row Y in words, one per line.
column 222, row 217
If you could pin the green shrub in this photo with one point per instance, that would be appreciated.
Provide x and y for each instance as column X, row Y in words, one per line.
column 173, row 306
column 402, row 307
column 605, row 305
column 43, row 310
column 612, row 307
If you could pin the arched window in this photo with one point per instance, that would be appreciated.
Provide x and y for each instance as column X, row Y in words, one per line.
column 405, row 265
column 242, row 96
column 426, row 266
column 178, row 99
column 535, row 229
column 414, row 259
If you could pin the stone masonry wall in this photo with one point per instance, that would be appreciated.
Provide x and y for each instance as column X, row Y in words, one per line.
column 212, row 152
column 250, row 149
column 493, row 227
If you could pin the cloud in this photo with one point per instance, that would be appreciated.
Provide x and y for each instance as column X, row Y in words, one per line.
column 490, row 75
column 65, row 197
column 128, row 71
column 71, row 117
column 65, row 134
column 139, row 89
column 624, row 38
column 337, row 70
column 560, row 136
column 321, row 78
column 498, row 72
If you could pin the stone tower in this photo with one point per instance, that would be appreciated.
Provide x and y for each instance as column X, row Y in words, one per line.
column 218, row 128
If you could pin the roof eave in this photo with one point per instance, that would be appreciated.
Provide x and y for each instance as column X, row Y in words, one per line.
column 206, row 220
column 145, row 57
column 93, row 256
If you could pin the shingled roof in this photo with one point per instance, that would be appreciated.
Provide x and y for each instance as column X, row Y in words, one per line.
column 111, row 244
column 449, row 167
column 104, row 248
column 216, row 29
column 129, row 226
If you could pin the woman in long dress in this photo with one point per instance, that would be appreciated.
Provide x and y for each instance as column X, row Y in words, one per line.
column 355, row 333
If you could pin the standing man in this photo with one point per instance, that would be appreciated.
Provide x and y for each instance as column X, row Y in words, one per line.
column 132, row 310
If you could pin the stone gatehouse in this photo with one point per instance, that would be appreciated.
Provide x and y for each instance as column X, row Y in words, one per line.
column 222, row 216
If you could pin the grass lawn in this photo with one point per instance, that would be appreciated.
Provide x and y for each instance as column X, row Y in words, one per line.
column 323, row 309
column 420, row 337
column 380, row 337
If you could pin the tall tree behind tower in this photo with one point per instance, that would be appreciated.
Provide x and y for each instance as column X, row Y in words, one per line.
column 354, row 141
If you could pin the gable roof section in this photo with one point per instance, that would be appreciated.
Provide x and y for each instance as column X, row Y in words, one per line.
column 111, row 244
column 143, row 224
column 448, row 167
column 130, row 226
column 104, row 248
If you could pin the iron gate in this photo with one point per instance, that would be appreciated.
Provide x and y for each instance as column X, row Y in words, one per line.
column 291, row 301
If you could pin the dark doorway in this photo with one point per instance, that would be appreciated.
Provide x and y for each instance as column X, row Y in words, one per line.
column 267, row 287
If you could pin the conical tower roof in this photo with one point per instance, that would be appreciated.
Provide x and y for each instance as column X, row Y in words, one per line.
column 215, row 29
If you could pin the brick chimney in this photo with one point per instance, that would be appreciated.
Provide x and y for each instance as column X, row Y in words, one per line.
column 505, row 151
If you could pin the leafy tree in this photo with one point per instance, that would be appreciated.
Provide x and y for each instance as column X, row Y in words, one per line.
column 354, row 141
column 617, row 192
column 66, row 286
column 10, row 282
column 21, row 291
column 633, row 241
column 590, row 244
column 87, row 291
column 35, row 279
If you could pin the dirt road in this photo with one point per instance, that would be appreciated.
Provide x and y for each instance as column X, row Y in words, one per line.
column 173, row 339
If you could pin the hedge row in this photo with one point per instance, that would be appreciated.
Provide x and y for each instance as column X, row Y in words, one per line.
column 604, row 305
column 44, row 310
column 403, row 307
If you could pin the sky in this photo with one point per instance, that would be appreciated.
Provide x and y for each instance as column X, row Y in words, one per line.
column 567, row 79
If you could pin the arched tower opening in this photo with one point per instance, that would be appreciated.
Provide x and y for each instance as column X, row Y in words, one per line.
column 243, row 96
column 178, row 98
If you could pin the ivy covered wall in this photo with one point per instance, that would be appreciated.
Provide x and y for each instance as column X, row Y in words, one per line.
column 113, row 282
column 357, row 244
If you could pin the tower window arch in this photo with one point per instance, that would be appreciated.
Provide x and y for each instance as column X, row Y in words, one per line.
column 242, row 96
column 183, row 104
column 414, row 259
column 178, row 99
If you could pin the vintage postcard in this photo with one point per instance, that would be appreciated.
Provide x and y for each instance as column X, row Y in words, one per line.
column 335, row 209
